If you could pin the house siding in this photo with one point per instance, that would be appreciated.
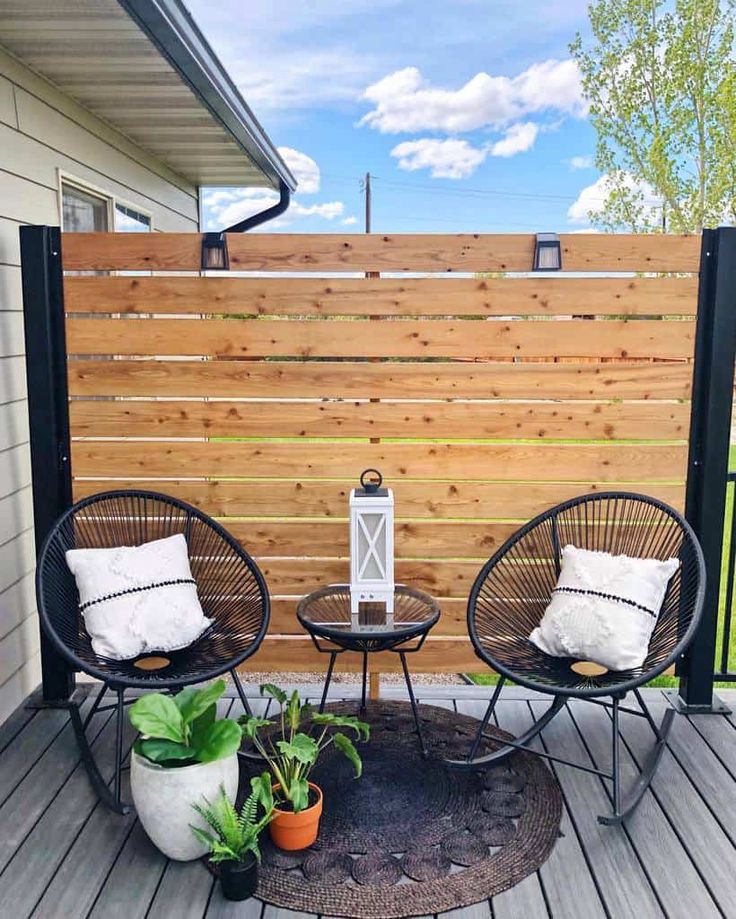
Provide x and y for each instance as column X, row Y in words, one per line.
column 42, row 132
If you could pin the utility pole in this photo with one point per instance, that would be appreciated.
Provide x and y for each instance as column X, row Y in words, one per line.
column 367, row 202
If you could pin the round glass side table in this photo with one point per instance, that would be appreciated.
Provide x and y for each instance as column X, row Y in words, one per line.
column 326, row 616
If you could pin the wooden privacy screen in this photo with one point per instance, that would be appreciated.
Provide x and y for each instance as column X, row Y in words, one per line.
column 256, row 398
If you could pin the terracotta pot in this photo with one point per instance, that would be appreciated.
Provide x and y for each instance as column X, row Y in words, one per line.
column 239, row 879
column 296, row 831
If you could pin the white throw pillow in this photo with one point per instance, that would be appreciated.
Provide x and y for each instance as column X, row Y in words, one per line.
column 138, row 599
column 604, row 608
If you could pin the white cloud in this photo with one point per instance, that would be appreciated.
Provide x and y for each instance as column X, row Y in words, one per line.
column 404, row 102
column 592, row 198
column 517, row 139
column 580, row 162
column 304, row 168
column 329, row 210
column 349, row 221
column 447, row 159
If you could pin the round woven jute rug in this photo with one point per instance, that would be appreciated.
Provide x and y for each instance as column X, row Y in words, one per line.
column 412, row 836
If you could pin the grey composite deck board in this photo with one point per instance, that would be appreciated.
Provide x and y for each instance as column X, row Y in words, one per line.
column 20, row 756
column 46, row 845
column 620, row 878
column 85, row 864
column 14, row 724
column 711, row 850
column 666, row 861
column 480, row 910
column 133, row 881
column 723, row 743
column 220, row 908
column 567, row 860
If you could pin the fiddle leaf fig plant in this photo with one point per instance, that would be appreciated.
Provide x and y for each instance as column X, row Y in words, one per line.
column 298, row 736
column 184, row 729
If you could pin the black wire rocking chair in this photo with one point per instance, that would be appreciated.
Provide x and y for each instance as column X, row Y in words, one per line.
column 230, row 586
column 514, row 587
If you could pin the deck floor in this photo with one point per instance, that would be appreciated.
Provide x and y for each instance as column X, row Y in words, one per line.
column 63, row 855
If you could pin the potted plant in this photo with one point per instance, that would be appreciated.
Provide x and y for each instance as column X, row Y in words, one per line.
column 184, row 753
column 233, row 842
column 291, row 754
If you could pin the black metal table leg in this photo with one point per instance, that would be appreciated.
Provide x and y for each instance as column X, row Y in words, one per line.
column 413, row 701
column 365, row 680
column 328, row 680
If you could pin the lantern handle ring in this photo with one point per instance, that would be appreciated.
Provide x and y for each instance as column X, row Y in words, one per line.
column 370, row 486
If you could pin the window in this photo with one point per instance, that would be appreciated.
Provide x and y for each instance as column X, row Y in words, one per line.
column 83, row 211
column 128, row 220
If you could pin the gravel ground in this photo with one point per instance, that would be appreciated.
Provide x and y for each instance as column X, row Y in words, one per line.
column 289, row 679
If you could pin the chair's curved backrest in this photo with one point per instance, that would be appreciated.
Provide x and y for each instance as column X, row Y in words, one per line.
column 515, row 586
column 230, row 586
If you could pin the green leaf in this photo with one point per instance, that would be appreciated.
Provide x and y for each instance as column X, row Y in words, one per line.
column 156, row 715
column 270, row 689
column 162, row 751
column 193, row 704
column 199, row 727
column 221, row 739
column 361, row 728
column 302, row 748
column 293, row 711
column 207, row 839
column 262, row 785
column 299, row 794
column 345, row 745
column 250, row 724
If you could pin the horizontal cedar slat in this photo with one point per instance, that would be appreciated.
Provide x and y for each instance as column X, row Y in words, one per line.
column 382, row 296
column 453, row 618
column 598, row 421
column 310, row 498
column 230, row 338
column 378, row 252
column 298, row 576
column 495, row 462
column 297, row 653
column 415, row 539
column 317, row 379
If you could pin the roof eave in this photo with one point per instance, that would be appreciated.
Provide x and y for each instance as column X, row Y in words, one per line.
column 170, row 27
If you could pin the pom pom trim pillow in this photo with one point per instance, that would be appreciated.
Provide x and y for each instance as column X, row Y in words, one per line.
column 604, row 608
column 138, row 599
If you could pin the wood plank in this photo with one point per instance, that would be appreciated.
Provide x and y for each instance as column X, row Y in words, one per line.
column 389, row 380
column 311, row 498
column 709, row 847
column 621, row 881
column 364, row 338
column 131, row 885
column 663, row 856
column 297, row 576
column 567, row 859
column 298, row 654
column 542, row 420
column 536, row 296
column 374, row 252
column 501, row 462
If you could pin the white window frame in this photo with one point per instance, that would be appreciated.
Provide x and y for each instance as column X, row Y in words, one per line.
column 65, row 178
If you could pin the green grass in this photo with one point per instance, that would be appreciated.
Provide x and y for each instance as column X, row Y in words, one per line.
column 490, row 679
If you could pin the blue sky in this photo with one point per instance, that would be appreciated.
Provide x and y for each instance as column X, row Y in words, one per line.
column 468, row 113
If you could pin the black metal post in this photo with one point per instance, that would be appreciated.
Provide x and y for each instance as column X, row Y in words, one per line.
column 43, row 307
column 710, row 428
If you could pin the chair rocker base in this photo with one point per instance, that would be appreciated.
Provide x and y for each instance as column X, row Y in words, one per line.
column 622, row 807
column 111, row 800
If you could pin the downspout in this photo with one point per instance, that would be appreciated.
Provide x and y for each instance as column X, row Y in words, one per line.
column 269, row 214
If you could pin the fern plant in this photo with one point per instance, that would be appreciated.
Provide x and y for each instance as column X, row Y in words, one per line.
column 235, row 834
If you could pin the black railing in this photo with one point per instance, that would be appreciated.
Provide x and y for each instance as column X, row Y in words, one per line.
column 722, row 672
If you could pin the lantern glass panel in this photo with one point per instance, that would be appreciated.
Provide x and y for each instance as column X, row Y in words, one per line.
column 372, row 546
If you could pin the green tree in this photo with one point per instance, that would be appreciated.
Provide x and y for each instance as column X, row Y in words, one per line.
column 660, row 81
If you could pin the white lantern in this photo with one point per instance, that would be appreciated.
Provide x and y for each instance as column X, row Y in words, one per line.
column 372, row 550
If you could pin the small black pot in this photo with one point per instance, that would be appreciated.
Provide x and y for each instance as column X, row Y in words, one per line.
column 239, row 879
